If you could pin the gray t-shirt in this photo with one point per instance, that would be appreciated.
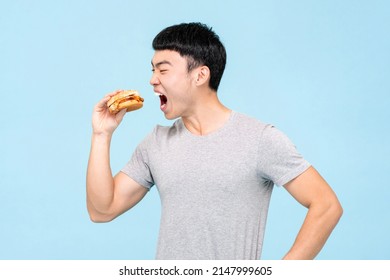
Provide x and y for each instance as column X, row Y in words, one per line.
column 214, row 189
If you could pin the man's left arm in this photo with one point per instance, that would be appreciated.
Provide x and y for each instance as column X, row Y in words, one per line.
column 324, row 212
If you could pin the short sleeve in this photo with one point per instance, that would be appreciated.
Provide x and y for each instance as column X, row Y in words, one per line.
column 279, row 159
column 137, row 167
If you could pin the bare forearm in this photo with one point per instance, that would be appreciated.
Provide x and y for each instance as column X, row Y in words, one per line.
column 100, row 182
column 316, row 229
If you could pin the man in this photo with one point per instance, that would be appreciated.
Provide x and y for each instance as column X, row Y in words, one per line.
column 214, row 168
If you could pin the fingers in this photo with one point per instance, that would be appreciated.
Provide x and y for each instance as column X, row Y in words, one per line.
column 102, row 103
column 111, row 94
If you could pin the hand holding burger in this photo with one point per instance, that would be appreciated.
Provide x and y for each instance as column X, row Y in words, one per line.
column 110, row 110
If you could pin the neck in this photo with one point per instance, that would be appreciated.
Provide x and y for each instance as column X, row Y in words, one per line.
column 208, row 116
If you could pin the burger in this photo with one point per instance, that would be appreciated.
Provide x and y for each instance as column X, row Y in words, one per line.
column 126, row 99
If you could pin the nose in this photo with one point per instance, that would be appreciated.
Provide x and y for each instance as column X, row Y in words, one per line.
column 154, row 80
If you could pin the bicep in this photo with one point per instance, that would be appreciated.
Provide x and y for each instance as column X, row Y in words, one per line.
column 310, row 187
column 127, row 193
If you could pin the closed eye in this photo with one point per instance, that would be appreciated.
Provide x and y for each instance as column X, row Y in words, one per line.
column 160, row 66
column 160, row 70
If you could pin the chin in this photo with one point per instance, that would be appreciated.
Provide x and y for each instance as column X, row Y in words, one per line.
column 169, row 116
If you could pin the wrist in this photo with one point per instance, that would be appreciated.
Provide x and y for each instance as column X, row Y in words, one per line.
column 101, row 137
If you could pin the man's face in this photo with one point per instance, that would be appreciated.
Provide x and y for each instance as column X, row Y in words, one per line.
column 173, row 83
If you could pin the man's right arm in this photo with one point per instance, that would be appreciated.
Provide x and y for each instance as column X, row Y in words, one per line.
column 107, row 196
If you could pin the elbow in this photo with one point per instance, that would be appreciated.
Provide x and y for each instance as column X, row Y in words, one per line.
column 339, row 211
column 335, row 210
column 329, row 211
column 98, row 216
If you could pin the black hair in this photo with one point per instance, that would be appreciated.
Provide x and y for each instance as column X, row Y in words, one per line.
column 199, row 44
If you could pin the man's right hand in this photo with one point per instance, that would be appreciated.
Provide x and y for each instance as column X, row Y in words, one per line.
column 107, row 196
column 103, row 122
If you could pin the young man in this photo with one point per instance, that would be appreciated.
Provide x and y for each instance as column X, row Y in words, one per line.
column 214, row 168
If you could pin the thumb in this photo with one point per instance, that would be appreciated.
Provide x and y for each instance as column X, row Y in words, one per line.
column 119, row 116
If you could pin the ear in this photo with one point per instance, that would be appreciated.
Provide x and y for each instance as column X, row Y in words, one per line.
column 202, row 75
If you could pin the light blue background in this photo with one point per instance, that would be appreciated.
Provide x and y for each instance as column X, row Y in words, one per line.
column 318, row 70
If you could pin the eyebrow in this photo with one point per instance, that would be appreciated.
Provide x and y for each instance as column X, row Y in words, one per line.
column 158, row 64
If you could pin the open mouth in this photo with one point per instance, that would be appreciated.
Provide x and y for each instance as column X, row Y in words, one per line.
column 163, row 100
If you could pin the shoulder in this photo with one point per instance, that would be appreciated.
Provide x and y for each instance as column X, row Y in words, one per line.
column 245, row 124
column 267, row 134
column 161, row 133
column 246, row 120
